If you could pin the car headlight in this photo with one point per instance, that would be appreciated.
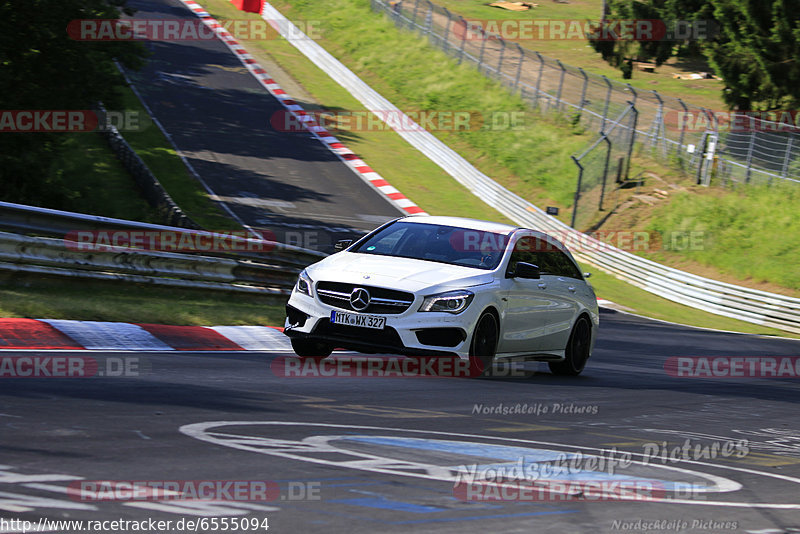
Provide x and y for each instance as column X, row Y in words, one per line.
column 450, row 302
column 304, row 283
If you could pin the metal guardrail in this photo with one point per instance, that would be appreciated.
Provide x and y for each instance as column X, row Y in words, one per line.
column 48, row 256
column 20, row 218
column 754, row 306
column 250, row 266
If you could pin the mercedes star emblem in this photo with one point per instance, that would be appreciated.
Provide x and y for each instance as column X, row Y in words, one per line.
column 359, row 299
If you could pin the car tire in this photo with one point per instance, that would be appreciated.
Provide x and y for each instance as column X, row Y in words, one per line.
column 483, row 346
column 311, row 348
column 577, row 350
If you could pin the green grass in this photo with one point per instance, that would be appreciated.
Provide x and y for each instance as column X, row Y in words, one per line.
column 57, row 298
column 98, row 183
column 413, row 76
column 578, row 53
column 750, row 233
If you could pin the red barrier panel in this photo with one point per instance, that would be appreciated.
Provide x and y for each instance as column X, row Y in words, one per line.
column 250, row 6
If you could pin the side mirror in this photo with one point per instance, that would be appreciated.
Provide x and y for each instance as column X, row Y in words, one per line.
column 587, row 275
column 342, row 244
column 526, row 270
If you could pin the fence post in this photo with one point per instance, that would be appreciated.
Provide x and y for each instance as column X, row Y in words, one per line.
column 683, row 133
column 633, row 92
column 428, row 21
column 560, row 83
column 445, row 42
column 702, row 155
column 539, row 79
column 519, row 67
column 484, row 36
column 583, row 89
column 605, row 107
column 787, row 157
column 659, row 123
column 605, row 173
column 414, row 15
column 632, row 139
column 750, row 151
column 463, row 40
column 577, row 191
column 500, row 61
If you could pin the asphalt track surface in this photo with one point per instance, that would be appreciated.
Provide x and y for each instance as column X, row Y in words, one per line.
column 219, row 117
column 150, row 425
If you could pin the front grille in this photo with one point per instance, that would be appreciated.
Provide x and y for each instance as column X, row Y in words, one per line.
column 388, row 337
column 382, row 300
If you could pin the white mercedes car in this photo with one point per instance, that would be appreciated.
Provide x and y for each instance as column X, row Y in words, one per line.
column 446, row 286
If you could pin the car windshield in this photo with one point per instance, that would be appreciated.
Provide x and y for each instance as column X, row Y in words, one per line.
column 433, row 242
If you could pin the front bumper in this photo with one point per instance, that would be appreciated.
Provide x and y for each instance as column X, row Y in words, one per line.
column 411, row 333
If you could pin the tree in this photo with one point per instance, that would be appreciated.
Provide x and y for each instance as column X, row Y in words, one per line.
column 622, row 51
column 757, row 53
column 754, row 45
column 42, row 68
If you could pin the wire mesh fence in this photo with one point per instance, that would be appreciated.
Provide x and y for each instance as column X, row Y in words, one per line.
column 602, row 168
column 666, row 127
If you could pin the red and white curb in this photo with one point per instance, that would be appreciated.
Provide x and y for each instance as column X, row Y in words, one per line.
column 342, row 152
column 60, row 334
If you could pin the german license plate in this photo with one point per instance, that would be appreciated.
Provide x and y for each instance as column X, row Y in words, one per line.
column 354, row 319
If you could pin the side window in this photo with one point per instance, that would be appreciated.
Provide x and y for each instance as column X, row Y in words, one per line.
column 524, row 251
column 546, row 256
column 561, row 265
